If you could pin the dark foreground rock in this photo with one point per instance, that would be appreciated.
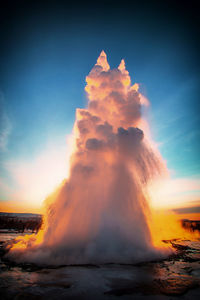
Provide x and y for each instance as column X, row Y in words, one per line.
column 178, row 276
column 174, row 286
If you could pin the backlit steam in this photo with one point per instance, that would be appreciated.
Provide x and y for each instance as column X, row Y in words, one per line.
column 100, row 213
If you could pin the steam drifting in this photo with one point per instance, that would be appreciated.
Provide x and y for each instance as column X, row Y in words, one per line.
column 100, row 213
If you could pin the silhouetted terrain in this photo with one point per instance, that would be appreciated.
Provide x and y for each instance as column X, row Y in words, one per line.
column 20, row 221
column 191, row 225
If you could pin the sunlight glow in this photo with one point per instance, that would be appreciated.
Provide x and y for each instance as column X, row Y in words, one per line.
column 35, row 179
column 171, row 193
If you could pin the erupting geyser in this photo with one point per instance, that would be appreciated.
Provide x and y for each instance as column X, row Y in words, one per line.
column 100, row 213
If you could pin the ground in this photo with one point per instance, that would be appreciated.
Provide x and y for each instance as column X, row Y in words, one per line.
column 177, row 276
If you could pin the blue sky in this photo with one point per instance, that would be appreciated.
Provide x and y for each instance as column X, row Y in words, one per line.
column 49, row 48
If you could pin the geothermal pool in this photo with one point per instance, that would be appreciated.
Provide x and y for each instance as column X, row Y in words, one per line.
column 176, row 276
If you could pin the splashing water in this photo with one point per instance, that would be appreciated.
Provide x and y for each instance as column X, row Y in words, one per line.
column 100, row 213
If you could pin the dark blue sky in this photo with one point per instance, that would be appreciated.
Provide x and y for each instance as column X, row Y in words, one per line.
column 48, row 47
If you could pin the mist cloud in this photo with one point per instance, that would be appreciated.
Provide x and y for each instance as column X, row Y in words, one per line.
column 100, row 213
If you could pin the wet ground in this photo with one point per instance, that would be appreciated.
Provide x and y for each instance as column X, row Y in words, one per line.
column 175, row 277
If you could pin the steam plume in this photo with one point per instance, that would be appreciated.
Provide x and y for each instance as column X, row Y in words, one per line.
column 99, row 214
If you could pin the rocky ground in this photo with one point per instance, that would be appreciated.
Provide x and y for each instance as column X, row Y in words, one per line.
column 176, row 276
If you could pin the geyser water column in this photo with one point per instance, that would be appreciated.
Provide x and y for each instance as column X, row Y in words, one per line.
column 99, row 214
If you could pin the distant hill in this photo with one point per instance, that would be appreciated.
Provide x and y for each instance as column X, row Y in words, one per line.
column 20, row 221
column 20, row 215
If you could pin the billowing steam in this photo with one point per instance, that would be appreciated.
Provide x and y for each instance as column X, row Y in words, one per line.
column 100, row 213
